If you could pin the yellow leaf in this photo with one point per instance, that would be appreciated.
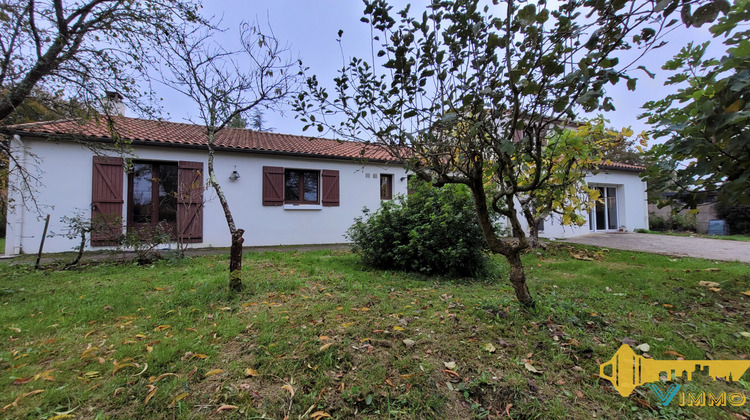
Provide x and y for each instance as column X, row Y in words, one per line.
column 214, row 372
column 162, row 327
column 319, row 415
column 120, row 366
column 226, row 308
column 158, row 288
column 226, row 407
column 151, row 393
column 747, row 293
column 735, row 106
column 347, row 324
column 397, row 328
column 178, row 398
column 714, row 289
column 44, row 375
column 62, row 416
column 164, row 375
column 289, row 388
column 489, row 347
column 324, row 338
column 200, row 356
column 251, row 372
column 325, row 346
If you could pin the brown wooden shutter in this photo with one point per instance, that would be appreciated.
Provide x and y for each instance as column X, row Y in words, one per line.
column 190, row 201
column 106, row 201
column 273, row 186
column 330, row 188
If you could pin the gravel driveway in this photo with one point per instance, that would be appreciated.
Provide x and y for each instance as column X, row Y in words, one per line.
column 681, row 246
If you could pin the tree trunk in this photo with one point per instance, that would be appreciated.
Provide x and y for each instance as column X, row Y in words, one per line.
column 235, row 261
column 534, row 242
column 518, row 280
column 235, row 251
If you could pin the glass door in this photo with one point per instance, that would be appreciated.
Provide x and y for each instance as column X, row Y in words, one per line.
column 604, row 214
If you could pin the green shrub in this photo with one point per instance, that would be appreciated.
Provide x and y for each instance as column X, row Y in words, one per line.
column 737, row 217
column 433, row 230
column 677, row 222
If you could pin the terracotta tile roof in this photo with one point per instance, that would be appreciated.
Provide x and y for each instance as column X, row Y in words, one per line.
column 623, row 167
column 140, row 131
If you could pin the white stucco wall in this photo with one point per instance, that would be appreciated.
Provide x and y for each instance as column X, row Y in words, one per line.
column 632, row 205
column 66, row 176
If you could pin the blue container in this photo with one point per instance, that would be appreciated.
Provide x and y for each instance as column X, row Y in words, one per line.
column 718, row 227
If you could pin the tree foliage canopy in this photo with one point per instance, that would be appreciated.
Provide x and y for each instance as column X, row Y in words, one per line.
column 463, row 95
column 705, row 123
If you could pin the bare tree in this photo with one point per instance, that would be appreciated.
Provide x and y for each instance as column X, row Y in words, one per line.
column 225, row 84
column 58, row 57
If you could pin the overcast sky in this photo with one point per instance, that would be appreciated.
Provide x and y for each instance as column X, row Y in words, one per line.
column 310, row 28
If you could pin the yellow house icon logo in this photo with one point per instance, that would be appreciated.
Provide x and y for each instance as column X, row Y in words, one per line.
column 628, row 370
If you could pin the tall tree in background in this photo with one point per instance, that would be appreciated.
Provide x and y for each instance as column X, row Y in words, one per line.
column 224, row 85
column 57, row 58
column 463, row 96
column 705, row 123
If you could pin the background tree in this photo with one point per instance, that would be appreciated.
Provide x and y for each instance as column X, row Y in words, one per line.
column 463, row 96
column 707, row 147
column 224, row 85
column 57, row 58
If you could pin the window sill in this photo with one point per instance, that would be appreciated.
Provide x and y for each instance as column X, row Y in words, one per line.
column 303, row 207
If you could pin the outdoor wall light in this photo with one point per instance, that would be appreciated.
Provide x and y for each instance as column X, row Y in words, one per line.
column 403, row 178
column 234, row 175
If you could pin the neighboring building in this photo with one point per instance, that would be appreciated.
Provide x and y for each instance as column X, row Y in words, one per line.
column 282, row 189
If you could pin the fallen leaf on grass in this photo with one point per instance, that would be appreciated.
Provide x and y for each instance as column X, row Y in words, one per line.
column 162, row 327
column 450, row 365
column 21, row 381
column 289, row 388
column 714, row 289
column 200, row 356
column 62, row 416
column 319, row 415
column 22, row 396
column 644, row 347
column 213, row 372
column 162, row 376
column 325, row 346
column 226, row 407
column 151, row 392
column 532, row 369
column 397, row 328
column 708, row 283
column 489, row 347
column 745, row 334
column 746, row 293
column 178, row 398
column 15, row 329
column 121, row 365
column 673, row 353
column 250, row 372
column 713, row 269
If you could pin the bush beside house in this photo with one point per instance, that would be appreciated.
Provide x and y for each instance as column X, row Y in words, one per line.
column 433, row 230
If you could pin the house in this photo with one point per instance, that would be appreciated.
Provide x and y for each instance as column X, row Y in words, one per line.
column 282, row 189
column 623, row 205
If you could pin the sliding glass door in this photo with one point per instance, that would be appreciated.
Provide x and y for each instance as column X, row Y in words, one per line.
column 604, row 215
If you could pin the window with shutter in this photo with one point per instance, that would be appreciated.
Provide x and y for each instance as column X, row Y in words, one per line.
column 386, row 186
column 106, row 200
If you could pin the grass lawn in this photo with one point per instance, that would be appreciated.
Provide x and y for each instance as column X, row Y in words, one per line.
column 318, row 332
column 743, row 238
column 2, row 246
